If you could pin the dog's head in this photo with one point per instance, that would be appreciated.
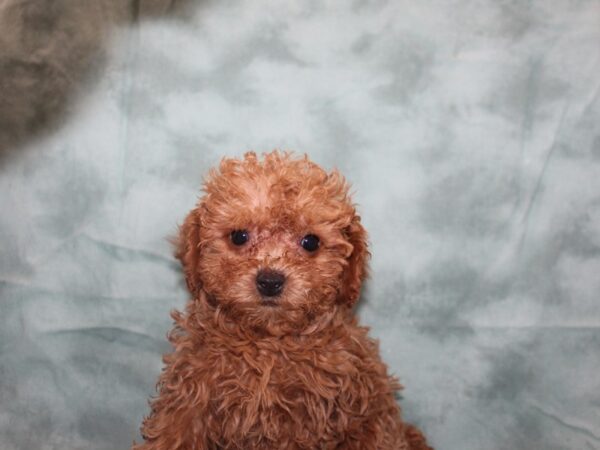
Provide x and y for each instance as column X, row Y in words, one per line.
column 274, row 243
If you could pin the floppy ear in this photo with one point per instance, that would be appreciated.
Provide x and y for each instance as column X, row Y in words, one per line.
column 356, row 270
column 187, row 250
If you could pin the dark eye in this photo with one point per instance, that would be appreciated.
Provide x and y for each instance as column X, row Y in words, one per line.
column 239, row 237
column 310, row 242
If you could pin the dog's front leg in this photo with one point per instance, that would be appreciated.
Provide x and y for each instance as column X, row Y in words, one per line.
column 171, row 426
column 177, row 419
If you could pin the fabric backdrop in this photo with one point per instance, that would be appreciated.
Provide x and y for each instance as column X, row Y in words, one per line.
column 468, row 129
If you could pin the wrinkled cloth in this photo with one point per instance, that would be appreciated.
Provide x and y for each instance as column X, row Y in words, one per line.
column 469, row 131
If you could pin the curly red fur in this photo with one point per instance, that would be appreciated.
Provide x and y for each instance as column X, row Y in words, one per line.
column 297, row 372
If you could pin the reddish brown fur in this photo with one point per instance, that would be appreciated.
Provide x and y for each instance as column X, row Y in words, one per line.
column 301, row 374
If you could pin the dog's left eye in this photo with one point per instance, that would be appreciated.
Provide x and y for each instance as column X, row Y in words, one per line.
column 239, row 237
column 310, row 242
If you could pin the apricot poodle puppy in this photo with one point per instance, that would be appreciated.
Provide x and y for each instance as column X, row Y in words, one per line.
column 268, row 353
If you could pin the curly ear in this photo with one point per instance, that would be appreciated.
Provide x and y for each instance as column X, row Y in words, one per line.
column 356, row 270
column 187, row 250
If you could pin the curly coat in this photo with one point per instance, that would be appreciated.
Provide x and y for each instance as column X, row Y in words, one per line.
column 297, row 373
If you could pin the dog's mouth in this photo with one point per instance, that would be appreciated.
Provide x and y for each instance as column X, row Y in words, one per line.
column 269, row 302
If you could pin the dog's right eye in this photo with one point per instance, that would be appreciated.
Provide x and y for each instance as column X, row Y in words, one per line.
column 239, row 237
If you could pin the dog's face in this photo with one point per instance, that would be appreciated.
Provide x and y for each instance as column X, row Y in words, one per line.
column 274, row 243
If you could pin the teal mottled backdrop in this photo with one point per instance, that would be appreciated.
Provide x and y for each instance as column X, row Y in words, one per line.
column 469, row 130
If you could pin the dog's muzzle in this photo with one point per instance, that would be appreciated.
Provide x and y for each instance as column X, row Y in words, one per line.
column 270, row 282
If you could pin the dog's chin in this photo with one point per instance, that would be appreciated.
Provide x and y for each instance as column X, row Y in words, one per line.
column 280, row 315
column 264, row 315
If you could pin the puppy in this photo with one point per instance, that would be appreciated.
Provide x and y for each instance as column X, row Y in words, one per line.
column 268, row 353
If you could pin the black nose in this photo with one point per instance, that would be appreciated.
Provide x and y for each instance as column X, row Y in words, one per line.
column 269, row 282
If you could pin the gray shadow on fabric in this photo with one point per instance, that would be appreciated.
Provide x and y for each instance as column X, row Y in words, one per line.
column 528, row 398
column 51, row 51
column 113, row 378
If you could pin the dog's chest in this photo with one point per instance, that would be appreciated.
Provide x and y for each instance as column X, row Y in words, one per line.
column 299, row 394
column 267, row 378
